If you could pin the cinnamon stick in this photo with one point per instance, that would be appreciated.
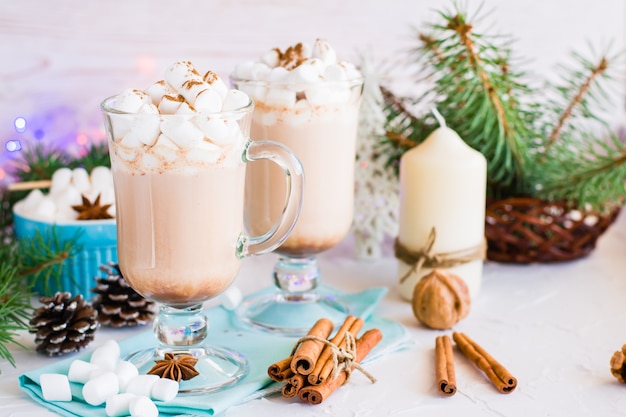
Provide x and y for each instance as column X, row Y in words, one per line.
column 316, row 394
column 444, row 363
column 305, row 357
column 281, row 370
column 328, row 365
column 499, row 376
column 29, row 185
column 289, row 390
column 351, row 324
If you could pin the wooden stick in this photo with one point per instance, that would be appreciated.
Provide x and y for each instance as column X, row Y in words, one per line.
column 499, row 376
column 316, row 394
column 29, row 185
column 328, row 367
column 281, row 370
column 305, row 357
column 444, row 364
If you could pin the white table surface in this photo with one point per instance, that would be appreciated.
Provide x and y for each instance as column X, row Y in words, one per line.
column 554, row 327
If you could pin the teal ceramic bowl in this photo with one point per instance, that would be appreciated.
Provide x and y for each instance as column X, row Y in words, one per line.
column 98, row 242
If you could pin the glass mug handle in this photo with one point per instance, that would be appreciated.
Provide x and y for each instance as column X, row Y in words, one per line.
column 291, row 166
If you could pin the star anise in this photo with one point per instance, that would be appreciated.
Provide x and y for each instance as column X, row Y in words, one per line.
column 92, row 211
column 175, row 367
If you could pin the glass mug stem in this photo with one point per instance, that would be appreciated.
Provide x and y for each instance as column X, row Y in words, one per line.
column 291, row 166
column 179, row 327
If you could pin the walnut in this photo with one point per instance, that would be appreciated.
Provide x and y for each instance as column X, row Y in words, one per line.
column 617, row 365
column 440, row 300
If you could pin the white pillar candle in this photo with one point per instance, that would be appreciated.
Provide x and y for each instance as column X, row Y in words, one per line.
column 442, row 185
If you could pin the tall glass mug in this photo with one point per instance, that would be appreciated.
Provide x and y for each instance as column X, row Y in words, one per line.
column 318, row 120
column 180, row 222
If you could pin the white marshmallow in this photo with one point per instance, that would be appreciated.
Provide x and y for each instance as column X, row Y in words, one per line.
column 323, row 51
column 80, row 179
column 170, row 103
column 243, row 71
column 270, row 58
column 101, row 177
column 259, row 71
column 280, row 97
column 277, row 75
column 107, row 196
column 216, row 83
column 106, row 356
column 80, row 371
column 65, row 214
column 167, row 151
column 184, row 109
column 234, row 100
column 254, row 91
column 352, row 73
column 301, row 113
column 204, row 152
column 157, row 90
column 69, row 196
column 303, row 75
column 55, row 387
column 214, row 129
column 46, row 210
column 61, row 178
column 125, row 371
column 142, row 384
column 335, row 73
column 32, row 200
column 130, row 101
column 118, row 405
column 96, row 373
column 231, row 298
column 319, row 95
column 142, row 407
column 182, row 132
column 98, row 389
column 180, row 72
column 145, row 129
column 208, row 101
column 164, row 389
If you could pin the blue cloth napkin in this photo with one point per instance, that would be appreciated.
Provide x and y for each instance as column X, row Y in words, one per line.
column 261, row 349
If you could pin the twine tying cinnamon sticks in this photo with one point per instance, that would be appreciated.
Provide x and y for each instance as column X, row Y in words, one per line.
column 424, row 258
column 317, row 366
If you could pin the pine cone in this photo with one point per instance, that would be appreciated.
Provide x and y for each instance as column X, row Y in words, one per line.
column 117, row 303
column 63, row 324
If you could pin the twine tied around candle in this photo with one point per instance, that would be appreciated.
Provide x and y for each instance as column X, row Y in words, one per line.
column 344, row 359
column 424, row 258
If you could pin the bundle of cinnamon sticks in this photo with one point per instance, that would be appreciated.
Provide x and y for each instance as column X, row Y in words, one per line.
column 497, row 374
column 319, row 365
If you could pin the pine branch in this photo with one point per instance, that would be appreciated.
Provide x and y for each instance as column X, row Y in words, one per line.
column 480, row 97
column 578, row 99
column 15, row 307
column 44, row 257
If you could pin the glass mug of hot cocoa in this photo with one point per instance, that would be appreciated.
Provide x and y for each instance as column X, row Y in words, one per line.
column 179, row 153
column 308, row 100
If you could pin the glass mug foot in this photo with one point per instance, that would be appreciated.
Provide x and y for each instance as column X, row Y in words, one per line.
column 297, row 303
column 218, row 367
column 182, row 332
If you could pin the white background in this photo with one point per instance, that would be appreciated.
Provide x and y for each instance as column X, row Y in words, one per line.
column 59, row 59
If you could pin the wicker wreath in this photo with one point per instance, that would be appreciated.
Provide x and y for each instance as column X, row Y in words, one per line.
column 526, row 230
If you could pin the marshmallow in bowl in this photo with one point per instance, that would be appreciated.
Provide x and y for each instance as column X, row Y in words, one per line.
column 65, row 191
